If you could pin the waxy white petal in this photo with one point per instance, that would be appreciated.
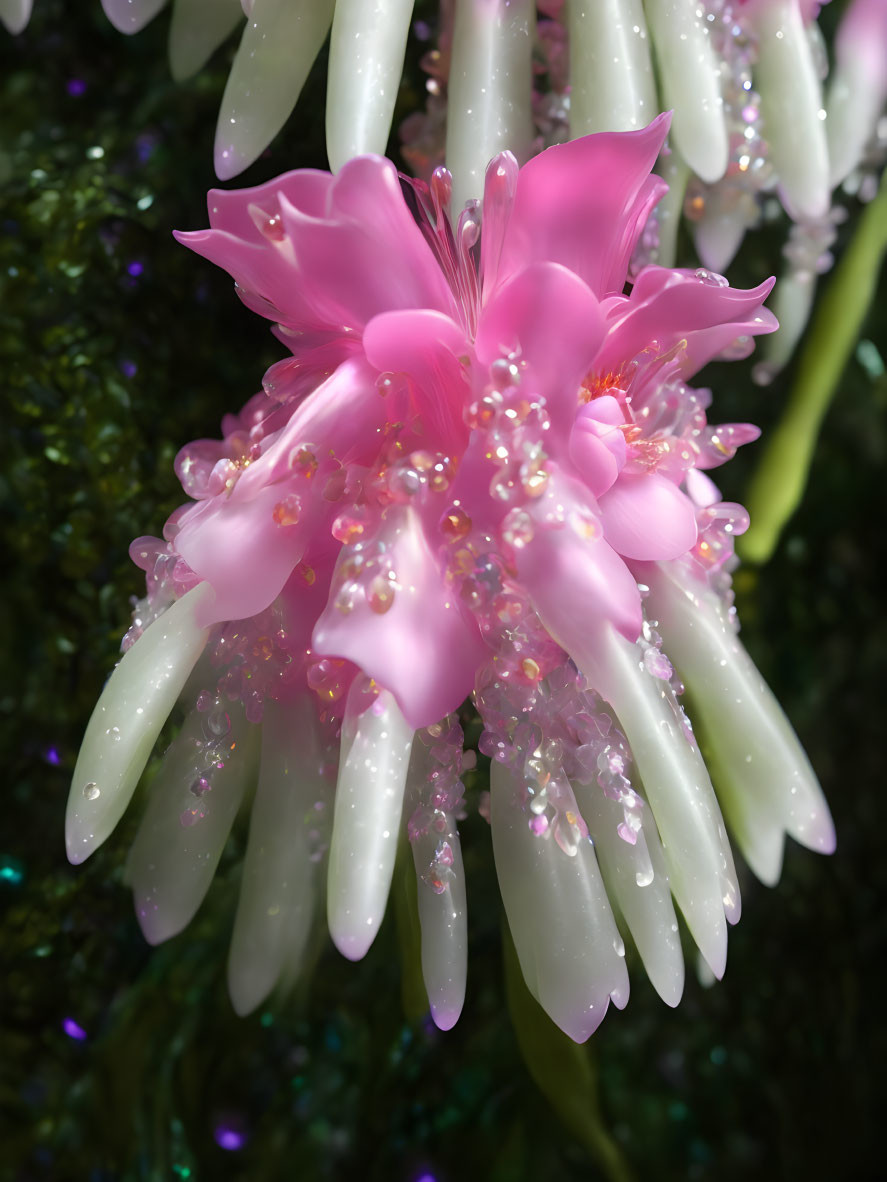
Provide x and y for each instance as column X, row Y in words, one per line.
column 131, row 15
column 791, row 302
column 443, row 918
column 176, row 850
column 719, row 232
column 289, row 820
column 489, row 90
column 765, row 781
column 15, row 14
column 637, row 882
column 690, row 74
column 280, row 42
column 127, row 719
column 611, row 75
column 366, row 822
column 567, row 942
column 366, row 63
column 198, row 28
column 675, row 171
column 676, row 784
column 854, row 103
column 791, row 103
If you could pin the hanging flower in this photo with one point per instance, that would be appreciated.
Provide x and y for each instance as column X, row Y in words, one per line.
column 479, row 473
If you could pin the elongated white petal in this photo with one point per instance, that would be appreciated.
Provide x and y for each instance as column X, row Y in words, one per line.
column 489, row 90
column 765, row 780
column 128, row 717
column 791, row 302
column 568, row 945
column 443, row 914
column 181, row 836
column 677, row 787
column 719, row 232
column 288, row 824
column 637, row 881
column 131, row 15
column 675, row 171
column 198, row 28
column 853, row 108
column 281, row 40
column 366, row 821
column 366, row 62
column 611, row 75
column 15, row 14
column 690, row 74
column 791, row 103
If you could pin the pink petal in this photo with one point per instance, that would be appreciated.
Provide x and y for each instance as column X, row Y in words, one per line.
column 598, row 448
column 576, row 580
column 584, row 204
column 550, row 318
column 667, row 306
column 324, row 253
column 648, row 517
column 343, row 418
column 307, row 189
column 422, row 647
column 232, row 540
column 426, row 346
column 237, row 547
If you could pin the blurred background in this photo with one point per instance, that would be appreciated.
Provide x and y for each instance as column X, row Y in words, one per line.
column 120, row 1062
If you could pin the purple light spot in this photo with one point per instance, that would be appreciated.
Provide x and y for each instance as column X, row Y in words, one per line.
column 129, row 369
column 73, row 1030
column 228, row 1137
column 426, row 1178
column 51, row 755
column 76, row 87
column 135, row 268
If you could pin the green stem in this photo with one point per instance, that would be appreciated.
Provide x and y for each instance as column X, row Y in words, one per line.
column 778, row 484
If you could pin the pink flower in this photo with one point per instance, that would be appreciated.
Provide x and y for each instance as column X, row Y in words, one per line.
column 474, row 474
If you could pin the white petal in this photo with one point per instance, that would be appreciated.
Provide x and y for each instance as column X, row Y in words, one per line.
column 366, row 62
column 443, row 920
column 176, row 850
column 611, row 75
column 855, row 100
column 637, row 881
column 15, row 14
column 131, row 15
column 676, row 785
column 765, row 780
column 791, row 102
column 289, row 821
column 489, row 90
column 791, row 302
column 369, row 802
column 675, row 172
column 719, row 232
column 567, row 941
column 281, row 40
column 128, row 717
column 690, row 74
column 198, row 28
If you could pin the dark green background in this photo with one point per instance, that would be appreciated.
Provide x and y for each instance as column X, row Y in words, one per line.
column 776, row 1073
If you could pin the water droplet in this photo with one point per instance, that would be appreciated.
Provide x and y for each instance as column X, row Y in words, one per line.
column 288, row 511
column 91, row 790
column 380, row 595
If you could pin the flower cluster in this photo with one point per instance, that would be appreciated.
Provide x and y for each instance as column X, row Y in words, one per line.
column 480, row 473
